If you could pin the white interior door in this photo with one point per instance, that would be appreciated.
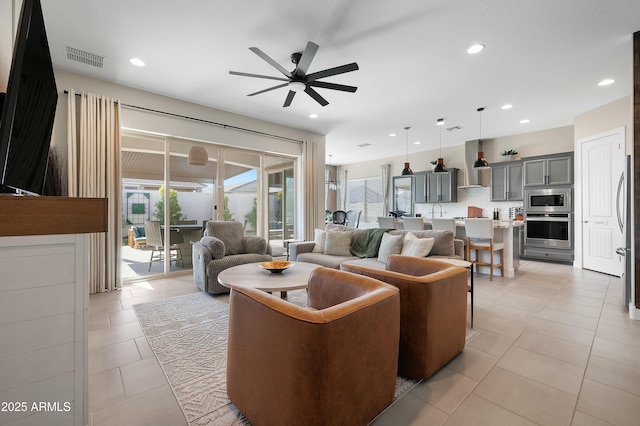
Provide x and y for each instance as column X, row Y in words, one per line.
column 603, row 159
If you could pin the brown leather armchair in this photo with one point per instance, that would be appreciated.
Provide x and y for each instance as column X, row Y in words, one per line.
column 433, row 310
column 334, row 362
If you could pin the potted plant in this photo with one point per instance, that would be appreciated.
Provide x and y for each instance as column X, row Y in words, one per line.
column 433, row 163
column 508, row 155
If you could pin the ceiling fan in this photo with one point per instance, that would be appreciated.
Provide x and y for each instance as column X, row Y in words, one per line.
column 298, row 80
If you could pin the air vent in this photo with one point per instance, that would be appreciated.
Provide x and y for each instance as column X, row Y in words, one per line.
column 84, row 57
column 362, row 145
column 451, row 129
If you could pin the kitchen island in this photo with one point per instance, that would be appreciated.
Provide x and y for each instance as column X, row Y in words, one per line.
column 506, row 231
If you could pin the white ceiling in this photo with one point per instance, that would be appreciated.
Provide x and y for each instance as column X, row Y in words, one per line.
column 545, row 57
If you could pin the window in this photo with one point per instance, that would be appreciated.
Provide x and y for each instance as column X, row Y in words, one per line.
column 366, row 195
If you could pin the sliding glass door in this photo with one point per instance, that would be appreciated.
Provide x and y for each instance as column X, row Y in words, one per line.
column 168, row 196
column 163, row 213
column 281, row 203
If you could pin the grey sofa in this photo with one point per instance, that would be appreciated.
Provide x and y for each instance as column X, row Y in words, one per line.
column 445, row 247
column 223, row 246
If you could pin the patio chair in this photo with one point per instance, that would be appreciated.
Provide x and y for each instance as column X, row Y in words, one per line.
column 154, row 239
column 353, row 218
column 340, row 217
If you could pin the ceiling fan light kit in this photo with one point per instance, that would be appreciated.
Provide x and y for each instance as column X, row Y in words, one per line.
column 298, row 80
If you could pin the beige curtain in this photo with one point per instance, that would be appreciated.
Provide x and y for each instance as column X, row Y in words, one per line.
column 94, row 171
column 385, row 176
column 313, row 176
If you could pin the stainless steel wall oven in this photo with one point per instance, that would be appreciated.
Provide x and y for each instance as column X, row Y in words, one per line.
column 548, row 223
column 549, row 230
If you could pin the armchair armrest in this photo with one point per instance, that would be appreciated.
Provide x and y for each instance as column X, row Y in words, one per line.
column 300, row 247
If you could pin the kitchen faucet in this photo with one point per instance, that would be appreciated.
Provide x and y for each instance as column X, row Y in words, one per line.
column 433, row 209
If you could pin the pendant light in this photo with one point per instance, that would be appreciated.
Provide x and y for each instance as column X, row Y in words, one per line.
column 481, row 163
column 198, row 156
column 407, row 170
column 333, row 185
column 440, row 167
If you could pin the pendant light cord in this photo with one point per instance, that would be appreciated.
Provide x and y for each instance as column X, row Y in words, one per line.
column 407, row 143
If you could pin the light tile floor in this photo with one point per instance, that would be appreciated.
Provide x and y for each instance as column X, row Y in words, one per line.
column 555, row 348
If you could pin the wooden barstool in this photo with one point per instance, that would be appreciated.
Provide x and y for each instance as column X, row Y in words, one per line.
column 480, row 238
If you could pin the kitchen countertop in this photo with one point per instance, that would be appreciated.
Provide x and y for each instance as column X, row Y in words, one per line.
column 496, row 223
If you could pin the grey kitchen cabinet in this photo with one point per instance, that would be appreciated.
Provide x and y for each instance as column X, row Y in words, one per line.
column 506, row 181
column 420, row 187
column 548, row 170
column 442, row 187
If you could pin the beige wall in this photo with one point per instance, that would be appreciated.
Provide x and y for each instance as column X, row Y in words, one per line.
column 7, row 32
column 607, row 117
column 527, row 144
column 178, row 127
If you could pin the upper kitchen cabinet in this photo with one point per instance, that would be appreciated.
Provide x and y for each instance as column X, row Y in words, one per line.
column 420, row 187
column 442, row 187
column 506, row 181
column 549, row 170
column 403, row 195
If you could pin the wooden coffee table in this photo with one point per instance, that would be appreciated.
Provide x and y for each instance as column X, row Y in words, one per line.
column 252, row 275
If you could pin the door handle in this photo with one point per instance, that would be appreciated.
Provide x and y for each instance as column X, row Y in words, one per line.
column 622, row 251
column 620, row 182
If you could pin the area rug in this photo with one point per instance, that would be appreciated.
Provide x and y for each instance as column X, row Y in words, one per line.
column 188, row 335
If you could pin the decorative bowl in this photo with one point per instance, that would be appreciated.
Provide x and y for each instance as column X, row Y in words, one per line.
column 276, row 266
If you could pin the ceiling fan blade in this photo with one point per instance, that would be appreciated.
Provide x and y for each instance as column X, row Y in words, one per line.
column 271, row 62
column 315, row 95
column 332, row 71
column 290, row 96
column 306, row 58
column 269, row 89
column 246, row 74
column 334, row 86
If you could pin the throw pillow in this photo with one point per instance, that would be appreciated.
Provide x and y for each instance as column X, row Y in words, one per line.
column 319, row 238
column 391, row 244
column 443, row 245
column 338, row 243
column 215, row 246
column 416, row 247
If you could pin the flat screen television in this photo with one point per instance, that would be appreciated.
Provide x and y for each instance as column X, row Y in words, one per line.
column 29, row 107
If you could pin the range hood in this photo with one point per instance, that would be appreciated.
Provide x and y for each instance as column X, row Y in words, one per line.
column 472, row 178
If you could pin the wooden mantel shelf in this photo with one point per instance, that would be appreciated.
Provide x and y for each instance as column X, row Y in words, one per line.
column 25, row 215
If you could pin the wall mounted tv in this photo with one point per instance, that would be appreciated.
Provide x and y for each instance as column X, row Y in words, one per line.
column 29, row 107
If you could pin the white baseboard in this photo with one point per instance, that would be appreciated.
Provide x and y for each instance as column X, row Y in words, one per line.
column 634, row 313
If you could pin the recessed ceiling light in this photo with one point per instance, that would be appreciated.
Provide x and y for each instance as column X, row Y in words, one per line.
column 525, row 121
column 313, row 115
column 507, row 106
column 476, row 48
column 137, row 62
column 393, row 135
column 606, row 82
column 416, row 143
